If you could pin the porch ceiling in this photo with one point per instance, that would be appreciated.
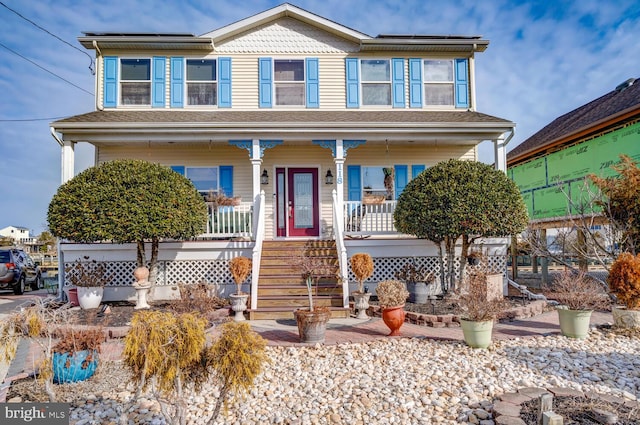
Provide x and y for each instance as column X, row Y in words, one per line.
column 210, row 126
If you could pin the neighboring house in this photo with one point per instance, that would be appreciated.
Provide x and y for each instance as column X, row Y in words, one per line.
column 303, row 119
column 17, row 233
column 552, row 164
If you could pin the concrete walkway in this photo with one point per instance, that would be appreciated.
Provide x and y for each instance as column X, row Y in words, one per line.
column 339, row 331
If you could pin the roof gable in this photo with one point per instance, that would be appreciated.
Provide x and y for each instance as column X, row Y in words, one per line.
column 301, row 38
column 593, row 115
column 282, row 11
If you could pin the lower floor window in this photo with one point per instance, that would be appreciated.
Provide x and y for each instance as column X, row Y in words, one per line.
column 378, row 181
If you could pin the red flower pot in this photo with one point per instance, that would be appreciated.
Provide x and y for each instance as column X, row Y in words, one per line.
column 393, row 317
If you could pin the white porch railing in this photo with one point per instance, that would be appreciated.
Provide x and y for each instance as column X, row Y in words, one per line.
column 369, row 219
column 230, row 221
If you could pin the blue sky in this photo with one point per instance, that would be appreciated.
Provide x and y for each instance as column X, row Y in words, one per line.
column 545, row 58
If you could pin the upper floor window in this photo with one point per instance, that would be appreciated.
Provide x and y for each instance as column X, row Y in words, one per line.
column 135, row 82
column 438, row 82
column 202, row 86
column 376, row 81
column 289, row 82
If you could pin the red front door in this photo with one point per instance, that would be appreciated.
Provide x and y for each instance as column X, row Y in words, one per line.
column 297, row 202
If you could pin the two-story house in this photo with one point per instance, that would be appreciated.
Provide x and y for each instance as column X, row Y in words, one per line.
column 314, row 126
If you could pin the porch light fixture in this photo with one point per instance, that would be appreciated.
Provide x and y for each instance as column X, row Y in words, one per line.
column 328, row 179
column 264, row 178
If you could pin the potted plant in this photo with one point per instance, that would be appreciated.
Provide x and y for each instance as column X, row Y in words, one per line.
column 312, row 322
column 362, row 268
column 417, row 280
column 392, row 295
column 578, row 295
column 624, row 283
column 75, row 355
column 240, row 268
column 89, row 277
column 479, row 310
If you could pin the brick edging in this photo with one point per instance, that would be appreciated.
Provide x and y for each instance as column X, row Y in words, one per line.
column 534, row 308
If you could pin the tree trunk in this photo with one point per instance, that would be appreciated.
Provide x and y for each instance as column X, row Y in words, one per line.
column 450, row 245
column 153, row 264
column 443, row 274
column 463, row 256
column 141, row 254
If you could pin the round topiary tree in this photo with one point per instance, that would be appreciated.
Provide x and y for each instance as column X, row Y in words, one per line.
column 460, row 199
column 128, row 201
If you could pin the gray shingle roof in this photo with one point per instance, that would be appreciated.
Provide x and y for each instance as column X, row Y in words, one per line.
column 282, row 116
column 602, row 108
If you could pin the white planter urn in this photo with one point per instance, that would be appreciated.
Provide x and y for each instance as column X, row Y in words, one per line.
column 90, row 297
column 361, row 304
column 239, row 305
column 141, row 286
column 623, row 318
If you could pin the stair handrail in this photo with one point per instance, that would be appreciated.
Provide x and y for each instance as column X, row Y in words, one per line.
column 257, row 247
column 338, row 233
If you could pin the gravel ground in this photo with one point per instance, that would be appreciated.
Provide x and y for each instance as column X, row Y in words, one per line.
column 389, row 381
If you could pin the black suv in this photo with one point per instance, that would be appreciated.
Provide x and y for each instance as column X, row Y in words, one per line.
column 17, row 270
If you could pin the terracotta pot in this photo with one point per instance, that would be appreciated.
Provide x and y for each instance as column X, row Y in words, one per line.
column 393, row 317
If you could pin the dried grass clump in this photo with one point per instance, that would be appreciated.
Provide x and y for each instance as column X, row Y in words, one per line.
column 410, row 273
column 240, row 268
column 196, row 297
column 624, row 280
column 362, row 268
column 237, row 356
column 88, row 273
column 391, row 293
column 473, row 301
column 577, row 291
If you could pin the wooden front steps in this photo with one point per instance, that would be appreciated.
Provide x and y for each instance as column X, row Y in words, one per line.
column 281, row 287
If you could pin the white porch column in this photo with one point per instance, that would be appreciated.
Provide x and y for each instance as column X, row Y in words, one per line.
column 256, row 161
column 339, row 161
column 67, row 160
column 500, row 154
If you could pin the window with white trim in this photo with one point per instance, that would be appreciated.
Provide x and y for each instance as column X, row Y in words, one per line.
column 135, row 81
column 439, row 82
column 202, row 87
column 378, row 181
column 375, row 81
column 289, row 82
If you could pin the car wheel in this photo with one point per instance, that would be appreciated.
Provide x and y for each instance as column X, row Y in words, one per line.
column 37, row 283
column 19, row 288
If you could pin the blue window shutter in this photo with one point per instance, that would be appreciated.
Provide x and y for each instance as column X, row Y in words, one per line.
column 398, row 82
column 353, row 82
column 462, row 83
column 159, row 69
column 178, row 169
column 353, row 183
column 416, row 169
column 415, row 83
column 401, row 178
column 110, row 82
column 177, row 82
column 313, row 85
column 226, row 179
column 265, row 77
column 224, row 82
